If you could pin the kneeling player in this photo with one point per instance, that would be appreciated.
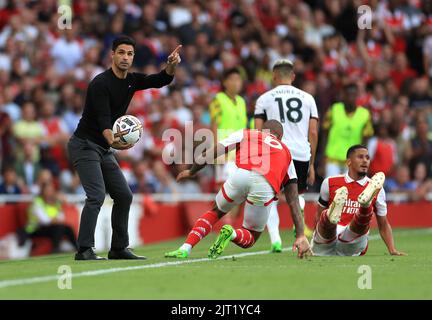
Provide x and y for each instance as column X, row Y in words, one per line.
column 346, row 206
column 264, row 165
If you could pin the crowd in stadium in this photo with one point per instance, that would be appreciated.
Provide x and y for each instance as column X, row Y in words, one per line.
column 44, row 72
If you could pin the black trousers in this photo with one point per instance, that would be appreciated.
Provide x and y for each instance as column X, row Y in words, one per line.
column 302, row 170
column 99, row 173
column 55, row 232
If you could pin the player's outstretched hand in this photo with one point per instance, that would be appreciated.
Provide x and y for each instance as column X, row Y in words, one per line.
column 398, row 253
column 302, row 246
column 184, row 175
column 119, row 145
column 174, row 58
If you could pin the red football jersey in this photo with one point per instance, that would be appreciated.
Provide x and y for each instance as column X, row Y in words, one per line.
column 264, row 153
column 331, row 184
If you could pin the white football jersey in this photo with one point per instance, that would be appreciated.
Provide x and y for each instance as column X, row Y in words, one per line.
column 293, row 108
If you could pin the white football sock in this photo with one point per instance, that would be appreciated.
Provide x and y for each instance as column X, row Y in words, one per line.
column 187, row 247
column 302, row 202
column 273, row 223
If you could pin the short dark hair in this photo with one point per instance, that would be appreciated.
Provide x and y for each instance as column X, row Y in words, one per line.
column 284, row 66
column 353, row 148
column 275, row 127
column 123, row 40
column 229, row 72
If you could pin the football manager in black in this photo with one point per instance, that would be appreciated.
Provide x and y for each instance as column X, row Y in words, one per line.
column 90, row 147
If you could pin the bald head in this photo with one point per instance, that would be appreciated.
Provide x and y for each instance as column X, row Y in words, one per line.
column 275, row 128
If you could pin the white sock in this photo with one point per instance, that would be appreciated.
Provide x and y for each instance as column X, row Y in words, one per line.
column 302, row 202
column 187, row 247
column 273, row 223
column 233, row 235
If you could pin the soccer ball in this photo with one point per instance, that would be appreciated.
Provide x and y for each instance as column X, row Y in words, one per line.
column 128, row 128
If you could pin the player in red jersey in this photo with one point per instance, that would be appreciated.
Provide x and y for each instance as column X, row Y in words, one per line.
column 264, row 166
column 346, row 206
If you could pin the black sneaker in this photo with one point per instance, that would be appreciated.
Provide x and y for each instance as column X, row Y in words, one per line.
column 89, row 254
column 124, row 254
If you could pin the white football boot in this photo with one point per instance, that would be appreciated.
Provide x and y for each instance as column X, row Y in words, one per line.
column 375, row 184
column 335, row 210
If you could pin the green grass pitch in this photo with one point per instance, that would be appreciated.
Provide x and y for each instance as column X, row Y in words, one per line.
column 260, row 275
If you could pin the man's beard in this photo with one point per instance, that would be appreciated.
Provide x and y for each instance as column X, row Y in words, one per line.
column 362, row 174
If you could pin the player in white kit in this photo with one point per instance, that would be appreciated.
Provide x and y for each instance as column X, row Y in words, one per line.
column 296, row 110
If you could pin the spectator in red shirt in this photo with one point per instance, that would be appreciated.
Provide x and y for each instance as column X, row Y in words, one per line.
column 402, row 72
column 56, row 134
column 378, row 101
column 382, row 151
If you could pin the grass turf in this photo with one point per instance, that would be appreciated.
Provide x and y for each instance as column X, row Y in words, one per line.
column 262, row 276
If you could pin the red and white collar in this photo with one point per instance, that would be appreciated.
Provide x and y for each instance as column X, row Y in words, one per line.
column 361, row 182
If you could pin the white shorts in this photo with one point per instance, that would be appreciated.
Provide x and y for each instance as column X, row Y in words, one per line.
column 223, row 171
column 347, row 243
column 252, row 187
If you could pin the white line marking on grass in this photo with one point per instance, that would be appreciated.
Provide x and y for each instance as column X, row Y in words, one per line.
column 18, row 282
column 26, row 281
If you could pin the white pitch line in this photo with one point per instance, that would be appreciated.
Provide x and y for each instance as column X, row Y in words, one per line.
column 25, row 281
column 18, row 282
